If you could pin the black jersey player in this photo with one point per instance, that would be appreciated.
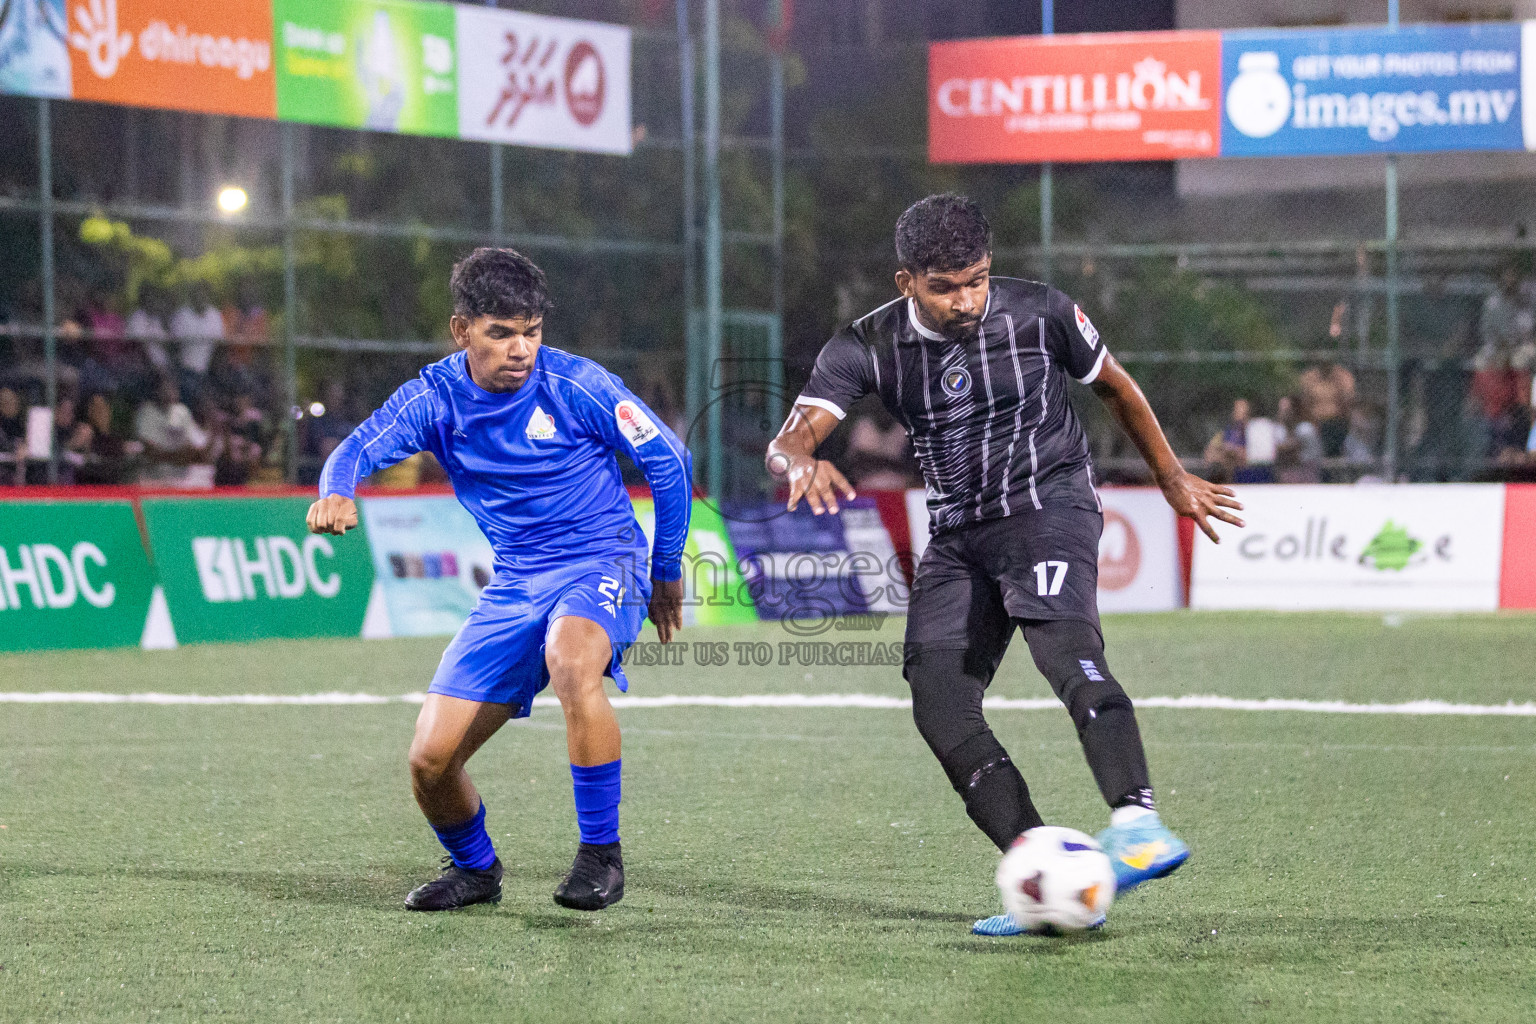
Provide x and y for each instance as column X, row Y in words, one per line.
column 977, row 368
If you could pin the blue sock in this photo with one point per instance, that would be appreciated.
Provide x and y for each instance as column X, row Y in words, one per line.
column 597, row 801
column 468, row 843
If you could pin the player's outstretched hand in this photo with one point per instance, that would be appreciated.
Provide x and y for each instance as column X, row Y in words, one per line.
column 1200, row 499
column 666, row 607
column 819, row 483
column 332, row 514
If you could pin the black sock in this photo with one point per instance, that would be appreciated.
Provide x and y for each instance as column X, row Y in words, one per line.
column 1070, row 654
column 946, row 705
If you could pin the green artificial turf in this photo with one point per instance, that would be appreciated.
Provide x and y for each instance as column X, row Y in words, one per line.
column 246, row 863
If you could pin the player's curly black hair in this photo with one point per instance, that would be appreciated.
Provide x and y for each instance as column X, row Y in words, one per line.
column 501, row 283
column 943, row 232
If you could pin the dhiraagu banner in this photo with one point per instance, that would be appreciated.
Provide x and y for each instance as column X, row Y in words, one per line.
column 385, row 65
column 247, row 569
column 72, row 574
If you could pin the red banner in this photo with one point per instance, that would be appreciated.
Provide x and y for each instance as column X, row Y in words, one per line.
column 1108, row 96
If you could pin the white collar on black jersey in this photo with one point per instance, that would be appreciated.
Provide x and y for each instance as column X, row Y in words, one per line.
column 917, row 325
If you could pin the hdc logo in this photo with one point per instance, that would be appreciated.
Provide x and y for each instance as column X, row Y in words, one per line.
column 228, row 569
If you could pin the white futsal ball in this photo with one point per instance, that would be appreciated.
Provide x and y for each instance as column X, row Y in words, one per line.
column 1056, row 878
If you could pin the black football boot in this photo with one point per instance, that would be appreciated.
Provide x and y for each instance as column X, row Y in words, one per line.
column 596, row 879
column 457, row 887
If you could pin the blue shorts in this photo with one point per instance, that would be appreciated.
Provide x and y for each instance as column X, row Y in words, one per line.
column 497, row 656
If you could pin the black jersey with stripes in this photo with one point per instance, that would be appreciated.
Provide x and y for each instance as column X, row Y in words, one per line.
column 988, row 414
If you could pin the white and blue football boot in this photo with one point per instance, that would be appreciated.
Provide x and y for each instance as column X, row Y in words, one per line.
column 1142, row 850
column 1003, row 926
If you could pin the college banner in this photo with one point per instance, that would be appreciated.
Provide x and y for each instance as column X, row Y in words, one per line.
column 72, row 574
column 248, row 569
column 532, row 80
column 1368, row 90
column 1103, row 96
column 385, row 65
column 430, row 559
column 1367, row 548
column 212, row 58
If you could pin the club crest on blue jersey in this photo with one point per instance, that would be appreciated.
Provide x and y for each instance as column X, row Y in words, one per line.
column 540, row 426
column 957, row 383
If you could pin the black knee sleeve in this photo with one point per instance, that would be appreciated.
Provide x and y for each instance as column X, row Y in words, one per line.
column 1070, row 654
column 946, row 705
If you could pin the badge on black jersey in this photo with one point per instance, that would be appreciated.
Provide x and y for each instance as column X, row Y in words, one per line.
column 957, row 383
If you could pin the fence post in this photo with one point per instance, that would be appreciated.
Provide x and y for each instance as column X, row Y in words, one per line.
column 713, row 256
column 1394, row 322
column 1047, row 171
column 693, row 398
column 290, row 314
column 774, row 404
column 45, row 226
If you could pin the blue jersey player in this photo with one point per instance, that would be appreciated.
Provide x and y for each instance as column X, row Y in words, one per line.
column 528, row 435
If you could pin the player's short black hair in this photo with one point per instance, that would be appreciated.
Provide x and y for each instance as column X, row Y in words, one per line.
column 501, row 283
column 944, row 232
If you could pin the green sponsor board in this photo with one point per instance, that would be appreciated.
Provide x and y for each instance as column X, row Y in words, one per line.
column 381, row 64
column 714, row 592
column 247, row 569
column 72, row 574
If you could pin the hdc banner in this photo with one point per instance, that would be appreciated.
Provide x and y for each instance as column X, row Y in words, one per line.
column 72, row 574
column 247, row 569
column 538, row 81
column 1111, row 96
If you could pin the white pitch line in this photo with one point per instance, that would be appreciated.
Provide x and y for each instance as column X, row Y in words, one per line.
column 1199, row 702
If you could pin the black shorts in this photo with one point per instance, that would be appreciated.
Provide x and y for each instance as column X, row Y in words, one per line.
column 974, row 582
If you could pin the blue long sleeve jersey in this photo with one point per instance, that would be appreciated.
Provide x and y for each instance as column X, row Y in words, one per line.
column 536, row 467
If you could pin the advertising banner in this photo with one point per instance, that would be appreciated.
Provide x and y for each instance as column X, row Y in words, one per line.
column 1138, row 552
column 532, row 80
column 1368, row 548
column 1517, row 580
column 247, row 569
column 1348, row 90
column 1105, row 96
column 34, row 49
column 72, row 574
column 386, row 65
column 430, row 559
column 713, row 591
column 808, row 568
column 213, row 58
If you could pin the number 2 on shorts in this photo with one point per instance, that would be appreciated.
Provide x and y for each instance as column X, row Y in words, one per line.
column 1049, row 577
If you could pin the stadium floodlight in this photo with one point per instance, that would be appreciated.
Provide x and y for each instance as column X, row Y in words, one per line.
column 232, row 199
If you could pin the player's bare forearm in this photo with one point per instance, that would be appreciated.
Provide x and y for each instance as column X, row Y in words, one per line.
column 1188, row 494
column 792, row 458
column 333, row 514
column 666, row 607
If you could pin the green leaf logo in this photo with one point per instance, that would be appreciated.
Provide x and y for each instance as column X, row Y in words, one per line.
column 1391, row 548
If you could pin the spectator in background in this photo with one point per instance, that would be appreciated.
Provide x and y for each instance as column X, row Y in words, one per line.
column 146, row 325
column 13, row 438
column 879, row 455
column 106, row 459
column 1299, row 453
column 198, row 326
column 1327, row 397
column 174, row 445
column 1227, row 451
column 248, row 329
column 71, row 439
column 1362, row 444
